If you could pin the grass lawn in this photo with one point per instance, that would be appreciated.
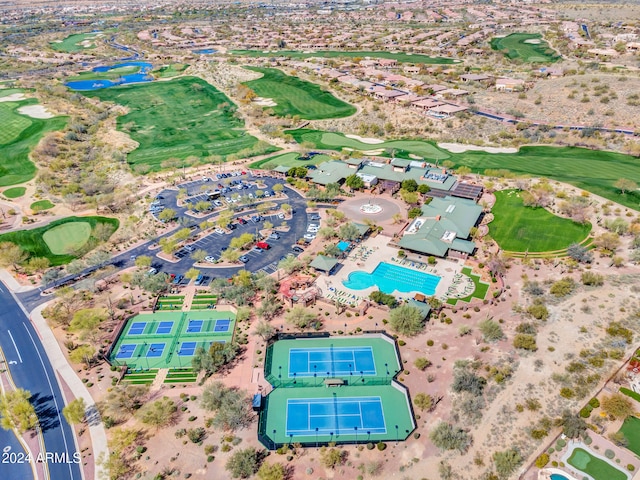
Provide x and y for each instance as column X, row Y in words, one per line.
column 178, row 119
column 398, row 148
column 400, row 57
column 631, row 431
column 14, row 192
column 289, row 160
column 479, row 292
column 297, row 97
column 19, row 134
column 68, row 237
column 74, row 43
column 518, row 45
column 517, row 228
column 168, row 71
column 5, row 92
column 41, row 205
column 112, row 74
column 592, row 170
column 597, row 468
column 36, row 241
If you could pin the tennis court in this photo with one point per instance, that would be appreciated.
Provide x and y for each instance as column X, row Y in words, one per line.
column 333, row 361
column 306, row 416
column 166, row 339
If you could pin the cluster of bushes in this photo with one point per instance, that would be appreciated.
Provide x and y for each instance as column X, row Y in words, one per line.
column 383, row 298
column 585, row 412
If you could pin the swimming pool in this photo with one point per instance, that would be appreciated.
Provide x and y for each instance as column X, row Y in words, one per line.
column 388, row 277
column 557, row 476
column 342, row 245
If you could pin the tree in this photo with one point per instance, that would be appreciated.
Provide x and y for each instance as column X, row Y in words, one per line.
column 423, row 401
column 332, row 457
column 467, row 381
column 192, row 273
column 348, row 232
column 301, row 318
column 198, row 255
column 244, row 463
column 446, row 436
column 579, row 253
column 625, row 185
column 38, row 264
column 271, row 471
column 409, row 185
column 16, row 411
column 143, row 262
column 410, row 198
column 525, row 341
column 75, row 266
column 159, row 413
column 423, row 189
column 124, row 399
column 277, row 188
column 231, row 406
column 572, row 425
column 407, row 320
column 269, row 307
column 491, row 331
column 608, row 241
column 167, row 215
column 11, row 255
column 506, row 462
column 87, row 320
column 414, row 212
column 327, row 232
column 616, row 406
column 74, row 412
column 264, row 330
column 290, row 264
column 230, row 255
column 83, row 354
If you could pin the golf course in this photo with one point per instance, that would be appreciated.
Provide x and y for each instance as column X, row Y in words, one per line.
column 293, row 96
column 528, row 47
column 290, row 159
column 61, row 240
column 631, row 431
column 399, row 56
column 518, row 228
column 76, row 43
column 19, row 134
column 180, row 118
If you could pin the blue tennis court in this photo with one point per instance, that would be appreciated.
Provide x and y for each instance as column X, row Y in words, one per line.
column 222, row 326
column 126, row 351
column 137, row 328
column 164, row 328
column 187, row 349
column 155, row 350
column 195, row 326
column 331, row 361
column 311, row 416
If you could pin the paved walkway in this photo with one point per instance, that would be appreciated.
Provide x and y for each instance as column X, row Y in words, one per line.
column 62, row 368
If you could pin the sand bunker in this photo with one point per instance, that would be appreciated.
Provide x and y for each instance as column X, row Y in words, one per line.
column 14, row 97
column 374, row 152
column 373, row 141
column 35, row 111
column 264, row 102
column 533, row 41
column 461, row 148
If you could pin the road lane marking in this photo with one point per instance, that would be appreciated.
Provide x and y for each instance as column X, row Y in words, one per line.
column 15, row 346
column 58, row 410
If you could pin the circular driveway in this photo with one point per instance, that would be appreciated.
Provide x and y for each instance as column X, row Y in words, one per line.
column 351, row 208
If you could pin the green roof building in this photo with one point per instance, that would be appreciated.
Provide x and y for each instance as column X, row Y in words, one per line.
column 445, row 224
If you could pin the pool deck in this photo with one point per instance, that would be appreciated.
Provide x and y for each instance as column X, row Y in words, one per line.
column 367, row 255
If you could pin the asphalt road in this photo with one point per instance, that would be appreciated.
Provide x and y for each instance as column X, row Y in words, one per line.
column 30, row 369
column 12, row 462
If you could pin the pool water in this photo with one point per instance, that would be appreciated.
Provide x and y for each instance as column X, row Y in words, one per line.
column 141, row 76
column 557, row 476
column 205, row 51
column 343, row 245
column 388, row 277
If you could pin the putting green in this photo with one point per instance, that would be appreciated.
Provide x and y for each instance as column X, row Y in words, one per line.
column 76, row 43
column 631, row 431
column 290, row 159
column 14, row 192
column 400, row 57
column 529, row 47
column 597, row 468
column 41, row 205
column 68, row 237
column 297, row 97
column 517, row 228
column 168, row 71
column 13, row 124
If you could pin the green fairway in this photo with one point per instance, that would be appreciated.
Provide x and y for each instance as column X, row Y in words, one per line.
column 41, row 205
column 517, row 228
column 76, row 43
column 14, row 192
column 68, row 237
column 5, row 92
column 36, row 241
column 289, row 160
column 397, row 148
column 18, row 136
column 297, row 97
column 113, row 74
column 528, row 47
column 631, row 431
column 597, row 468
column 168, row 71
column 400, row 57
column 178, row 119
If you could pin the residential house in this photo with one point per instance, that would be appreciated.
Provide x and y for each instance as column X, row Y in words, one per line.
column 509, row 84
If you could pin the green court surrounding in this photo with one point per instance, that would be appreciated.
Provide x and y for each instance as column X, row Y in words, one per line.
column 19, row 134
column 297, row 97
column 528, row 47
column 518, row 228
column 334, row 389
column 397, row 148
column 180, row 118
column 400, row 57
column 169, row 339
column 597, row 468
column 631, row 431
column 14, row 192
column 60, row 251
column 290, row 159
column 76, row 43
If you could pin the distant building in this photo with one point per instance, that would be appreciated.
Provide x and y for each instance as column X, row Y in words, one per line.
column 509, row 84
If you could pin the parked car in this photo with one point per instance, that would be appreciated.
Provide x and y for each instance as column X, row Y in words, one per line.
column 199, row 280
column 189, row 248
column 152, row 271
column 314, row 217
column 263, row 245
column 178, row 279
column 297, row 249
column 281, row 216
column 244, row 259
column 274, row 236
column 309, row 236
column 210, row 259
column 219, row 231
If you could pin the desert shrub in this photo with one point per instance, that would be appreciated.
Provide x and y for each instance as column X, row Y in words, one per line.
column 542, row 460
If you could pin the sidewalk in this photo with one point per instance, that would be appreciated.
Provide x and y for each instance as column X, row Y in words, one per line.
column 13, row 284
column 62, row 368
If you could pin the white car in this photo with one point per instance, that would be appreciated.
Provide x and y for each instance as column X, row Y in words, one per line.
column 312, row 229
column 309, row 236
column 210, row 259
column 217, row 203
column 219, row 231
column 281, row 216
